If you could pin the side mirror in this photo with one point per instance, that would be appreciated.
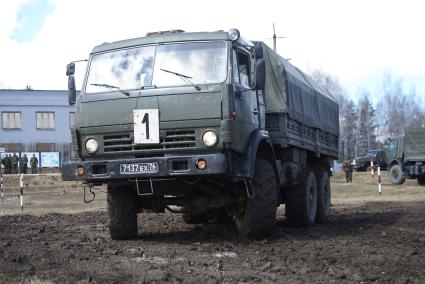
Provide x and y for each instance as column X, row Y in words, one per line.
column 258, row 51
column 72, row 93
column 260, row 74
column 70, row 69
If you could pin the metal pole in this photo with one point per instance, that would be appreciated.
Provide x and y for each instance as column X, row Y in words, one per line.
column 372, row 172
column 1, row 185
column 379, row 180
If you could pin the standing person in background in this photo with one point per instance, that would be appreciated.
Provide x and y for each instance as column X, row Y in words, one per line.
column 14, row 160
column 33, row 163
column 7, row 164
column 20, row 165
column 24, row 164
column 348, row 168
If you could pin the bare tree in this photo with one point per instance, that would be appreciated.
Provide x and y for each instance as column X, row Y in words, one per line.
column 366, row 126
column 398, row 109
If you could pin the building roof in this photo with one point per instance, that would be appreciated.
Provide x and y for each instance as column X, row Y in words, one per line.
column 9, row 97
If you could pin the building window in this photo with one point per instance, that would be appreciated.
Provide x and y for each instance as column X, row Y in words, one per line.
column 45, row 120
column 45, row 147
column 72, row 120
column 11, row 120
column 11, row 147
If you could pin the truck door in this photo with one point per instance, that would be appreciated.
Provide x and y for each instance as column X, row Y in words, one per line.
column 246, row 104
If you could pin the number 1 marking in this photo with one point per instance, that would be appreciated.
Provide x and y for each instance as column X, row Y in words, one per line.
column 146, row 120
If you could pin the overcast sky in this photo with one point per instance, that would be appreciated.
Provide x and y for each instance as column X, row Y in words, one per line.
column 356, row 41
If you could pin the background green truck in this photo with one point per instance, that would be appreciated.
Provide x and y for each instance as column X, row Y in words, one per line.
column 379, row 158
column 207, row 124
column 406, row 156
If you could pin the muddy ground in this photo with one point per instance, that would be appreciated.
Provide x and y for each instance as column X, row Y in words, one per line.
column 59, row 239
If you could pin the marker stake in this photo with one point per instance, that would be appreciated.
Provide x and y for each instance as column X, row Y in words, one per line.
column 21, row 186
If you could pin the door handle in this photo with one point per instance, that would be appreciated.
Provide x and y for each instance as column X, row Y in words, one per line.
column 255, row 111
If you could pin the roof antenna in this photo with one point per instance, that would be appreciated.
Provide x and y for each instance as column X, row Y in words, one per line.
column 275, row 37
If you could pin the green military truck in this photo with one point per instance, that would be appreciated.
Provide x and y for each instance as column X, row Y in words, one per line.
column 378, row 157
column 206, row 124
column 406, row 156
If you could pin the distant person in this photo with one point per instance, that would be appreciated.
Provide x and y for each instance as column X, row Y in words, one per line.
column 7, row 164
column 14, row 160
column 34, row 164
column 348, row 167
column 20, row 165
column 24, row 164
column 2, row 163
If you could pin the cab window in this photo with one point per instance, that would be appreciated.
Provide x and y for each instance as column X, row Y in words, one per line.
column 241, row 71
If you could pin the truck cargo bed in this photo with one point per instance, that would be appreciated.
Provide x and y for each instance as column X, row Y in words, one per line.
column 286, row 132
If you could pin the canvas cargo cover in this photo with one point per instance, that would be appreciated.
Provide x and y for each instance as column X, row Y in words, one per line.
column 414, row 144
column 291, row 91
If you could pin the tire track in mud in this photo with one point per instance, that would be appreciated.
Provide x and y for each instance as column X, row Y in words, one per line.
column 369, row 242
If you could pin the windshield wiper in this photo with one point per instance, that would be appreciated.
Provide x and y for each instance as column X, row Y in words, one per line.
column 111, row 87
column 185, row 78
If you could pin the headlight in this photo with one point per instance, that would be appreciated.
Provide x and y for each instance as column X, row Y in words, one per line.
column 209, row 138
column 91, row 145
column 233, row 34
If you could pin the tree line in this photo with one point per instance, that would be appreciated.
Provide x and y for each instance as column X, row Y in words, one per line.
column 367, row 123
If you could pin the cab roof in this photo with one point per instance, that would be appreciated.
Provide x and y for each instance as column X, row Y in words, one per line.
column 155, row 38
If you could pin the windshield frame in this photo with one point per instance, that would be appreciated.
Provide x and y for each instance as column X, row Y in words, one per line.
column 89, row 65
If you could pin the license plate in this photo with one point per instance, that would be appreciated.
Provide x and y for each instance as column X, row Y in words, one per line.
column 139, row 168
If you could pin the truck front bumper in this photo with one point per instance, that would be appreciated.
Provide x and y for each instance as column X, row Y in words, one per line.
column 106, row 170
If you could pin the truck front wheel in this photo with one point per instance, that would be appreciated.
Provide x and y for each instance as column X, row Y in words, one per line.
column 421, row 180
column 255, row 216
column 122, row 211
column 301, row 202
column 396, row 174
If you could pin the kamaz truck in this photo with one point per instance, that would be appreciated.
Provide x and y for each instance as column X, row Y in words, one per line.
column 406, row 156
column 207, row 124
column 378, row 157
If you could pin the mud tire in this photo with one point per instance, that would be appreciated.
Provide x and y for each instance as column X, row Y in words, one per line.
column 122, row 211
column 323, row 214
column 395, row 174
column 255, row 217
column 301, row 202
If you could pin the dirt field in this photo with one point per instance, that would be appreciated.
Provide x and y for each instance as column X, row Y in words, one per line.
column 60, row 239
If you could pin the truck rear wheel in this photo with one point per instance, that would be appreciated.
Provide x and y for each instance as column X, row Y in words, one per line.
column 255, row 216
column 396, row 174
column 301, row 202
column 122, row 211
column 421, row 180
column 323, row 197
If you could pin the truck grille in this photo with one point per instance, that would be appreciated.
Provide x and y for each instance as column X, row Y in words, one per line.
column 169, row 139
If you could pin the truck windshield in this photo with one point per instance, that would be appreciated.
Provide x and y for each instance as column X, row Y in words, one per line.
column 135, row 68
column 371, row 154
